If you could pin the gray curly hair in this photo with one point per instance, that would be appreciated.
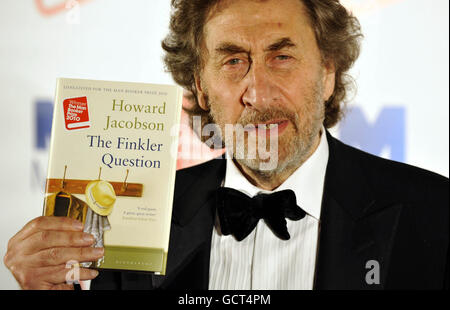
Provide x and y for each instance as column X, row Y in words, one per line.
column 338, row 35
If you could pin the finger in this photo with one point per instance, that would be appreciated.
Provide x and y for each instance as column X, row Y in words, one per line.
column 66, row 274
column 63, row 287
column 58, row 256
column 46, row 239
column 47, row 277
column 46, row 223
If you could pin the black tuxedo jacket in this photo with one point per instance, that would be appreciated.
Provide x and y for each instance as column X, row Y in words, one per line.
column 373, row 210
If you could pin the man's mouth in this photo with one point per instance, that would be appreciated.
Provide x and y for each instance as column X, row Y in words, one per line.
column 273, row 127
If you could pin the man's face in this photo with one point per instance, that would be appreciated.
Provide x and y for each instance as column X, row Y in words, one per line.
column 261, row 65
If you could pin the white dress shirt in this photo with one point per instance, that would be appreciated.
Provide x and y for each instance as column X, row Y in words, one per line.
column 262, row 260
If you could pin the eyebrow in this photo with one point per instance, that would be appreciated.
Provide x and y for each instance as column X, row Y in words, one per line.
column 228, row 48
column 280, row 44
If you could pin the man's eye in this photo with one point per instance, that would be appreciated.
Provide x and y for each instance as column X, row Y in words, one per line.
column 283, row 57
column 234, row 61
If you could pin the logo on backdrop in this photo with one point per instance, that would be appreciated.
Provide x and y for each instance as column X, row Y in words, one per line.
column 384, row 137
column 43, row 114
column 71, row 8
column 57, row 7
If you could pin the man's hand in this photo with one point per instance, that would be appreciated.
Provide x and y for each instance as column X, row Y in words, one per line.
column 38, row 253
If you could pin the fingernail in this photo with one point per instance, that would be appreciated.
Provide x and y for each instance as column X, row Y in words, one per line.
column 94, row 273
column 88, row 238
column 98, row 251
column 78, row 225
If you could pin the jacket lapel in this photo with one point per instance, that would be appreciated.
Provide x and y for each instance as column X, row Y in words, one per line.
column 192, row 225
column 356, row 230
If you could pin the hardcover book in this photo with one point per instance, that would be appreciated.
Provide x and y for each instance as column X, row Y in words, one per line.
column 112, row 165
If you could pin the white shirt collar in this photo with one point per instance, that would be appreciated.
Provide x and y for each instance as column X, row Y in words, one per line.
column 307, row 181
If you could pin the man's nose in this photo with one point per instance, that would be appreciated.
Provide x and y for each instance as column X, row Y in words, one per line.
column 261, row 90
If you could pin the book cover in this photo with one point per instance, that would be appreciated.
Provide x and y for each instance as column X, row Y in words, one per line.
column 112, row 165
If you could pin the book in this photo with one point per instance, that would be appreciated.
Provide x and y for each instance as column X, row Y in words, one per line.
column 112, row 165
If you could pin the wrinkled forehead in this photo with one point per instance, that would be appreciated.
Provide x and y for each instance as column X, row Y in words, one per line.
column 256, row 22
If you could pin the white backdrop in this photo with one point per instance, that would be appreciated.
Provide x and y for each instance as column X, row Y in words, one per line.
column 399, row 112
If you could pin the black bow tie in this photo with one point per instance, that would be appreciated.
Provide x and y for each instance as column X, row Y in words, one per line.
column 239, row 214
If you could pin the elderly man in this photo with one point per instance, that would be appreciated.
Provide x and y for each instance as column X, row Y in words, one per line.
column 323, row 215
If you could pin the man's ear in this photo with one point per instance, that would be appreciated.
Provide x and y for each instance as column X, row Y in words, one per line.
column 200, row 94
column 328, row 80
